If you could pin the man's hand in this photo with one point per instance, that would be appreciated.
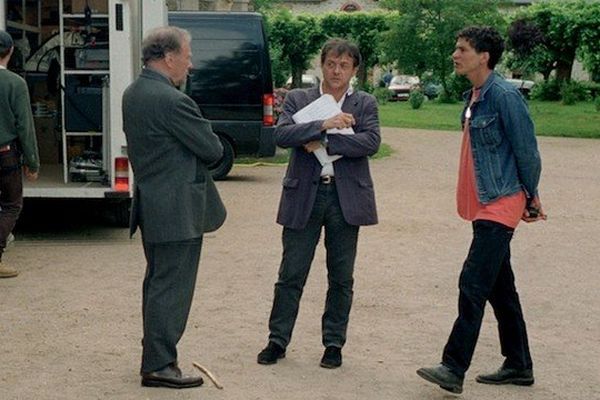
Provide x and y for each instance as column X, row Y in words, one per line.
column 340, row 121
column 312, row 146
column 31, row 176
column 535, row 205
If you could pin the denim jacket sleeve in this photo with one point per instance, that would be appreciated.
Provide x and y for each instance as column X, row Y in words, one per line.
column 518, row 127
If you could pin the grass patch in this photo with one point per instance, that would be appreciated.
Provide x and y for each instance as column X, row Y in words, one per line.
column 385, row 150
column 551, row 118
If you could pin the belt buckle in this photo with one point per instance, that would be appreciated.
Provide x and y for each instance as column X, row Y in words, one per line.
column 326, row 180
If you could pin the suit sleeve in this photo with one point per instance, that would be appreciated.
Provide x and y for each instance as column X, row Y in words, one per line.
column 290, row 134
column 366, row 138
column 194, row 131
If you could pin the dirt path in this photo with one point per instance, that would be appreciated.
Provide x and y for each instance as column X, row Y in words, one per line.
column 70, row 324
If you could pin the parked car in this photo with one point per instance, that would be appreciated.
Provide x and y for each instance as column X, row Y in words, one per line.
column 308, row 81
column 432, row 90
column 401, row 85
column 523, row 85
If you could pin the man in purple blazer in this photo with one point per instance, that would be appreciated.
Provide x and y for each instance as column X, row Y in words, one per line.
column 336, row 195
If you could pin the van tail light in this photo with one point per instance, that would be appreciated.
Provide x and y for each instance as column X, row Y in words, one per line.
column 268, row 119
column 121, row 174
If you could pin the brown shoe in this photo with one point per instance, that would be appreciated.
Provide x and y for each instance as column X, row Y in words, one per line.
column 7, row 272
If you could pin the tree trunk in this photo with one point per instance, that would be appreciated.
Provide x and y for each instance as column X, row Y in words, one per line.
column 361, row 75
column 563, row 70
column 297, row 77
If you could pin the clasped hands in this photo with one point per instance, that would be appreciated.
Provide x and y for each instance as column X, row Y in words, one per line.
column 536, row 205
column 339, row 121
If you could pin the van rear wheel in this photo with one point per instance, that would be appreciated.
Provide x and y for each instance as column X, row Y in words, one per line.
column 221, row 168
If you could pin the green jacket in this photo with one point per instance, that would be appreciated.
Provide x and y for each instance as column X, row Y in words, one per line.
column 16, row 120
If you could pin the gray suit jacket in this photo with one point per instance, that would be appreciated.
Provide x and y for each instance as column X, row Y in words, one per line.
column 352, row 176
column 170, row 146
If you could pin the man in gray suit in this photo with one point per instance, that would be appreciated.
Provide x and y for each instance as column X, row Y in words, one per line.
column 170, row 146
column 338, row 196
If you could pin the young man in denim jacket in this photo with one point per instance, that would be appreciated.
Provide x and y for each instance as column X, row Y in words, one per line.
column 497, row 187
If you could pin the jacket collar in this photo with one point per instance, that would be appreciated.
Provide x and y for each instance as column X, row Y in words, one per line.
column 484, row 89
column 153, row 74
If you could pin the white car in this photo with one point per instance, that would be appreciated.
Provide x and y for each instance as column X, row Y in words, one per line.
column 523, row 85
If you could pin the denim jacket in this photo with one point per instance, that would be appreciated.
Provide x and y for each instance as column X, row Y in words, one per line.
column 505, row 153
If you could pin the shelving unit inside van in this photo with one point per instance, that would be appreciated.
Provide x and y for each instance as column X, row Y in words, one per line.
column 84, row 81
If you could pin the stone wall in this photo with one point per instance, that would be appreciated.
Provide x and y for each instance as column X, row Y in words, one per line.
column 323, row 6
column 208, row 5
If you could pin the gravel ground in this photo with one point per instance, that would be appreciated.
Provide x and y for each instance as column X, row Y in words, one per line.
column 71, row 326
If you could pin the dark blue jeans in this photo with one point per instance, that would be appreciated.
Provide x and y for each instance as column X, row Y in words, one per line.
column 11, row 192
column 298, row 252
column 487, row 276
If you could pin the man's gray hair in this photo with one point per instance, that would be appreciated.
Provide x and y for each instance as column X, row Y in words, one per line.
column 160, row 41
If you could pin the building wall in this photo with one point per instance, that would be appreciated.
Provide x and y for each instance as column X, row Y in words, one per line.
column 324, row 6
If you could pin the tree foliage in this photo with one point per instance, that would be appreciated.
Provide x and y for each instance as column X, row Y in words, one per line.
column 297, row 39
column 423, row 37
column 590, row 40
column 362, row 28
column 557, row 28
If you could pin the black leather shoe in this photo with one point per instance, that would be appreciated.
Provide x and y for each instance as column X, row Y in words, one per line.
column 332, row 357
column 270, row 354
column 442, row 376
column 507, row 376
column 170, row 377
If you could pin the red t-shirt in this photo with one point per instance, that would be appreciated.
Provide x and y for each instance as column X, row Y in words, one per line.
column 506, row 210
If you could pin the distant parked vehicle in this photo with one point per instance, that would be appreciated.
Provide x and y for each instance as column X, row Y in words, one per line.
column 308, row 81
column 523, row 85
column 401, row 86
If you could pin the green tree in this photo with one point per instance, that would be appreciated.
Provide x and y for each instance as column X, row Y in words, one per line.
column 423, row 37
column 296, row 38
column 590, row 40
column 558, row 26
column 362, row 28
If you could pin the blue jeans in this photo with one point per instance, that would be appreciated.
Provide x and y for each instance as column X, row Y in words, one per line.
column 487, row 276
column 298, row 252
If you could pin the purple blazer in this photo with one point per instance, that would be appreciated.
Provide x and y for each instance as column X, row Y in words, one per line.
column 352, row 176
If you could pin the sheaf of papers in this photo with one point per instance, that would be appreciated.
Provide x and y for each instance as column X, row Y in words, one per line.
column 322, row 108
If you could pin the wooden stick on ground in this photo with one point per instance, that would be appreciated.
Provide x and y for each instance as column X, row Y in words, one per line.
column 209, row 374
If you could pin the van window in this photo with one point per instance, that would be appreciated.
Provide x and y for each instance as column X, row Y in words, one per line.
column 227, row 61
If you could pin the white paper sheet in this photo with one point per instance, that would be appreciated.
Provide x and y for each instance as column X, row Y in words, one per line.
column 322, row 108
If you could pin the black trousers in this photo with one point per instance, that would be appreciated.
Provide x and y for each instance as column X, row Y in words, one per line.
column 487, row 276
column 167, row 297
column 298, row 252
column 11, row 192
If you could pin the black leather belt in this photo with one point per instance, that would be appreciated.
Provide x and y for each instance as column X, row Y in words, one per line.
column 327, row 179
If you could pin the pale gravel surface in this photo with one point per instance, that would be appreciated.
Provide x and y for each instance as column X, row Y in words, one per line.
column 70, row 324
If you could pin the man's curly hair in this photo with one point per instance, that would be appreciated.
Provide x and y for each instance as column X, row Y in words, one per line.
column 484, row 39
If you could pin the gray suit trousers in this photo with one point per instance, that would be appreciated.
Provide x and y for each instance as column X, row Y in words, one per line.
column 167, row 297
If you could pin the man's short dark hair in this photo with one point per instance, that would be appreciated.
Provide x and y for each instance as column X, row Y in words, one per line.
column 6, row 43
column 340, row 47
column 161, row 41
column 484, row 39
